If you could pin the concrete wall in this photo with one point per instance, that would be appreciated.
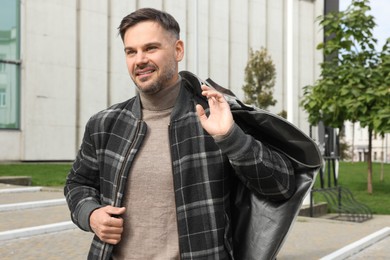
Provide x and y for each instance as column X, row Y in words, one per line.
column 48, row 79
column 73, row 63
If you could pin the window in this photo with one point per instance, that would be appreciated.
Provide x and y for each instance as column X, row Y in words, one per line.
column 3, row 102
column 9, row 64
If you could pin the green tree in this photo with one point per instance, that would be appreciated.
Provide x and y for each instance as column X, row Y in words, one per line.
column 260, row 78
column 283, row 114
column 354, row 80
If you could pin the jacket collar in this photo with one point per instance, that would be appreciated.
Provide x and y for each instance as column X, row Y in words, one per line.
column 190, row 94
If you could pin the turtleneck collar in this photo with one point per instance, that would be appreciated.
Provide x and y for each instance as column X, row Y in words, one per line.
column 162, row 100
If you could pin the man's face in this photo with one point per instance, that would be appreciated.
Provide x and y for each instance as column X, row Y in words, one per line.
column 152, row 56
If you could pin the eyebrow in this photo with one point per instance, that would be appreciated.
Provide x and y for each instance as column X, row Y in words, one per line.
column 145, row 46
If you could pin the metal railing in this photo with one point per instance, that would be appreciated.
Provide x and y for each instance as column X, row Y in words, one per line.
column 342, row 202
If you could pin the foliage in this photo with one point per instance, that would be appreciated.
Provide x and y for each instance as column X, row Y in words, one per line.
column 381, row 119
column 283, row 114
column 354, row 80
column 260, row 78
column 352, row 85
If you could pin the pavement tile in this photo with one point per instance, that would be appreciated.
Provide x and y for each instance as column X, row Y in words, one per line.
column 313, row 238
column 8, row 198
column 33, row 217
column 70, row 244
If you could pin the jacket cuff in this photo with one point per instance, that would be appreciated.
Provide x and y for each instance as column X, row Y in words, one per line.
column 235, row 143
column 85, row 212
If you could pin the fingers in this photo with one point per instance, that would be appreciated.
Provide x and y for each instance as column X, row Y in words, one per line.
column 106, row 224
column 220, row 119
column 112, row 232
column 212, row 94
column 201, row 113
column 114, row 210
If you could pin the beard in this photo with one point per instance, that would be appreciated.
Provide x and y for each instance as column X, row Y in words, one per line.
column 162, row 80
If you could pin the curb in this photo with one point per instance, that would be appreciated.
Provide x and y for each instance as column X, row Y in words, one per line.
column 32, row 204
column 359, row 245
column 38, row 230
column 23, row 189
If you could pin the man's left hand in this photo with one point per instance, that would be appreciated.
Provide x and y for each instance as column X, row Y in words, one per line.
column 220, row 120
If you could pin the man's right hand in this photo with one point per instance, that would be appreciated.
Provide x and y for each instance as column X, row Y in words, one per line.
column 106, row 224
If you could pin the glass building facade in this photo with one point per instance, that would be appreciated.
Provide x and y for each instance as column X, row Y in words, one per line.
column 10, row 64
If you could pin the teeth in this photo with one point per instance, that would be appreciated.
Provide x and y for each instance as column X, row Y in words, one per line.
column 145, row 72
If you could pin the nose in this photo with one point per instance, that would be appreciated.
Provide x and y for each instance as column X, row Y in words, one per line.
column 141, row 58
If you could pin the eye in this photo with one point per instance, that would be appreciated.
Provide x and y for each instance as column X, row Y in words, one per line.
column 151, row 48
column 130, row 52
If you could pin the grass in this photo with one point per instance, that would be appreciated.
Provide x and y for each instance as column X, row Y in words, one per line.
column 351, row 175
column 42, row 174
column 354, row 177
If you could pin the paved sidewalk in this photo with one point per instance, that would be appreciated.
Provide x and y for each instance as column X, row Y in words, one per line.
column 305, row 242
column 379, row 251
column 6, row 198
column 314, row 238
column 33, row 217
column 310, row 238
column 71, row 244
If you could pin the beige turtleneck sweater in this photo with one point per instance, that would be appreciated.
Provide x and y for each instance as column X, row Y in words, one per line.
column 150, row 226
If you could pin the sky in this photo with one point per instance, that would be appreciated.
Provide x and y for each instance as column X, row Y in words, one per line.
column 380, row 10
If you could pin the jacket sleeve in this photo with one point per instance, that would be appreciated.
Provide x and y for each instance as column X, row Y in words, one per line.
column 82, row 184
column 261, row 168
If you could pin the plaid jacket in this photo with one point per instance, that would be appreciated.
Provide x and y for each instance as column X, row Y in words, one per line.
column 203, row 173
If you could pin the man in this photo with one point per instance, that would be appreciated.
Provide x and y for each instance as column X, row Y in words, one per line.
column 154, row 175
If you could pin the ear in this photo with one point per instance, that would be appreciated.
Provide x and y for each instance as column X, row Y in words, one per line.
column 179, row 48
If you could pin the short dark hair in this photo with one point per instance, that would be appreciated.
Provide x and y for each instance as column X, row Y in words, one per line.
column 164, row 19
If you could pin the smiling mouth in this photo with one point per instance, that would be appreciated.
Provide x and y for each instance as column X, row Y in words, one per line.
column 145, row 72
